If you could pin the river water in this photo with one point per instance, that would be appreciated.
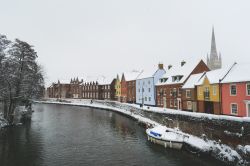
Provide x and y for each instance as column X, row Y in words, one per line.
column 73, row 136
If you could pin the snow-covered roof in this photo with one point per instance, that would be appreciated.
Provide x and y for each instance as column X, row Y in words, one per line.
column 131, row 75
column 101, row 79
column 178, row 70
column 105, row 80
column 238, row 73
column 145, row 74
column 63, row 82
column 214, row 76
column 193, row 80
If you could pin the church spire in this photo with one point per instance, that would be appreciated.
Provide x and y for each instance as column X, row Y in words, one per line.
column 213, row 52
column 214, row 61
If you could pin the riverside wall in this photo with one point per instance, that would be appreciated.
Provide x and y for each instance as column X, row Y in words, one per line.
column 226, row 131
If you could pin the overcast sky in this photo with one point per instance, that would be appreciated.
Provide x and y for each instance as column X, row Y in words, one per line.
column 96, row 37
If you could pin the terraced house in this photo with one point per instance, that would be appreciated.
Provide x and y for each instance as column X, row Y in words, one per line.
column 235, row 96
column 169, row 87
column 145, row 86
column 208, row 91
column 128, row 86
column 189, row 93
column 118, row 88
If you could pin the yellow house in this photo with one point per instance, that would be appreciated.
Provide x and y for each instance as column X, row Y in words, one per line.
column 117, row 88
column 208, row 92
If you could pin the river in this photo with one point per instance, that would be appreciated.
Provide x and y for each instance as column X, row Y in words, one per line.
column 61, row 135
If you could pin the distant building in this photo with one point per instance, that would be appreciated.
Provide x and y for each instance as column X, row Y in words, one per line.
column 128, row 87
column 214, row 61
column 59, row 90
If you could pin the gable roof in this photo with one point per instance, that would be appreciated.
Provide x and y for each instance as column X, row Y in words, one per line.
column 178, row 70
column 238, row 73
column 193, row 80
column 215, row 76
column 132, row 75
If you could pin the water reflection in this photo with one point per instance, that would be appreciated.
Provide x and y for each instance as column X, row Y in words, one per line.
column 64, row 135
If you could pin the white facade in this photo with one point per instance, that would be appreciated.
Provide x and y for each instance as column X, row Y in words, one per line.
column 145, row 88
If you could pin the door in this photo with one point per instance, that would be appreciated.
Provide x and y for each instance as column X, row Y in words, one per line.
column 209, row 107
column 164, row 102
column 179, row 104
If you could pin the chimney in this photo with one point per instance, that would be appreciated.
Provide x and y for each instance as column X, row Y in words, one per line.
column 183, row 63
column 169, row 67
column 160, row 65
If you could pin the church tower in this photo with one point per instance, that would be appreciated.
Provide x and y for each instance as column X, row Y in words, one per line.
column 214, row 61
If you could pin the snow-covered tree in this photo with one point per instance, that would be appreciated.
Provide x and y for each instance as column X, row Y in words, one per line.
column 21, row 76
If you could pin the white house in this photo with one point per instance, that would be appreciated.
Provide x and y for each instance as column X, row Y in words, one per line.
column 145, row 86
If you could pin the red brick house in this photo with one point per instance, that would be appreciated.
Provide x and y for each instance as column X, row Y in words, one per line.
column 128, row 86
column 76, row 88
column 169, row 88
column 90, row 90
column 189, row 93
column 107, row 89
column 59, row 90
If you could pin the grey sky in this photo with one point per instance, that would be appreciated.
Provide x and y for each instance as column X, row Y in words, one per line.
column 80, row 38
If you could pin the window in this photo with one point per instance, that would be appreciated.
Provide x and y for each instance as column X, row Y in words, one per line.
column 233, row 90
column 214, row 90
column 179, row 91
column 148, row 89
column 207, row 93
column 145, row 98
column 234, row 109
column 189, row 105
column 175, row 92
column 148, row 82
column 248, row 89
column 142, row 89
column 138, row 90
column 171, row 103
column 149, row 98
column 188, row 93
column 175, row 102
column 171, row 92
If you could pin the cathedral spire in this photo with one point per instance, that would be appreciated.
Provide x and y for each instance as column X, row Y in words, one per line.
column 213, row 52
column 215, row 60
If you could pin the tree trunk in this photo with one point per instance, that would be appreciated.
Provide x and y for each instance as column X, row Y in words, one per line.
column 5, row 109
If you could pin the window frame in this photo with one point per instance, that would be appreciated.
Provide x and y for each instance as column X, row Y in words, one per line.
column 188, row 90
column 231, row 108
column 247, row 84
column 231, row 89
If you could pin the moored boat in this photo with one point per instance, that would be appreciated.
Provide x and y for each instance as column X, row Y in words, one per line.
column 161, row 135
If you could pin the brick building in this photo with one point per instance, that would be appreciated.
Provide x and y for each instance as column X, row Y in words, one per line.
column 169, row 88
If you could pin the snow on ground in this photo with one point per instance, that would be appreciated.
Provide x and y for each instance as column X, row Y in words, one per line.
column 216, row 149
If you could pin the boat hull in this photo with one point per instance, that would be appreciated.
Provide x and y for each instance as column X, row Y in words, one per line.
column 167, row 144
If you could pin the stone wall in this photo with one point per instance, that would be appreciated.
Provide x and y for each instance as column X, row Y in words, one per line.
column 229, row 132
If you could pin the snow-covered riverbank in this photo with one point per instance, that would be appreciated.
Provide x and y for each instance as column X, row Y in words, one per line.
column 200, row 144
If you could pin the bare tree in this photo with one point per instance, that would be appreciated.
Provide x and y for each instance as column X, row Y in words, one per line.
column 21, row 76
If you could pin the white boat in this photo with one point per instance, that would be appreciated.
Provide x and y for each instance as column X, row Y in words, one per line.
column 161, row 135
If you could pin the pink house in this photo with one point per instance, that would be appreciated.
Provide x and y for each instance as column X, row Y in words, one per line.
column 235, row 91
